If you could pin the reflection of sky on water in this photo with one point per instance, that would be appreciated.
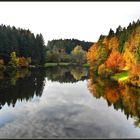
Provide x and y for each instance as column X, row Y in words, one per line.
column 65, row 110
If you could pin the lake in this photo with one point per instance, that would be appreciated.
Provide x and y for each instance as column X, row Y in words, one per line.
column 66, row 102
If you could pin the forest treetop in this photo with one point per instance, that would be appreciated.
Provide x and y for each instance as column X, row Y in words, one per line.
column 23, row 42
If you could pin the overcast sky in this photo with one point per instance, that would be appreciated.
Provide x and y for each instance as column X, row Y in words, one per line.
column 80, row 20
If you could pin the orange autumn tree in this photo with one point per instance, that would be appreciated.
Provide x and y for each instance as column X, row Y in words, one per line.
column 24, row 62
column 115, row 61
column 111, row 94
column 92, row 52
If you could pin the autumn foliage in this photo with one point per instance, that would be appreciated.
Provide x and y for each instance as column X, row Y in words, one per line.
column 117, row 52
column 123, row 62
column 115, row 61
column 135, row 70
column 121, row 97
column 92, row 52
column 111, row 95
column 19, row 61
column 22, row 61
column 113, row 43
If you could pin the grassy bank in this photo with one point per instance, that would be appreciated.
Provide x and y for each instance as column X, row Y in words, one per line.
column 64, row 64
column 56, row 64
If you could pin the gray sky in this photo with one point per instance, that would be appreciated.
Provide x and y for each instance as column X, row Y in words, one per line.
column 80, row 20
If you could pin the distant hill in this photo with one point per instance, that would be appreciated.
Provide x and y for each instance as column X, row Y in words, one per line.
column 68, row 44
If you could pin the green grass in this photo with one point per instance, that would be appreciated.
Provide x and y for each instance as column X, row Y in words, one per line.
column 120, row 76
column 50, row 64
column 56, row 64
column 64, row 64
column 85, row 65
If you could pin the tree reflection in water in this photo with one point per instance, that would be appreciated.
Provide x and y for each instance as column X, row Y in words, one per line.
column 24, row 84
column 121, row 96
column 67, row 74
column 20, row 85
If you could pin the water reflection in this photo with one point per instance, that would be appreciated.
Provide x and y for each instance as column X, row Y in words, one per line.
column 25, row 84
column 20, row 85
column 67, row 74
column 65, row 107
column 121, row 96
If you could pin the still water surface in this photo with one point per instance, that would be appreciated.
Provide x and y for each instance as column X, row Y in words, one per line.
column 59, row 103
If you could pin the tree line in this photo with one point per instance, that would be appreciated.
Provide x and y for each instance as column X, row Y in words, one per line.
column 67, row 50
column 22, row 44
column 21, row 48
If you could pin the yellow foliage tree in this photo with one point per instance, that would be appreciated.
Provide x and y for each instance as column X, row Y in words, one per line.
column 78, row 55
column 129, row 57
column 113, row 43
